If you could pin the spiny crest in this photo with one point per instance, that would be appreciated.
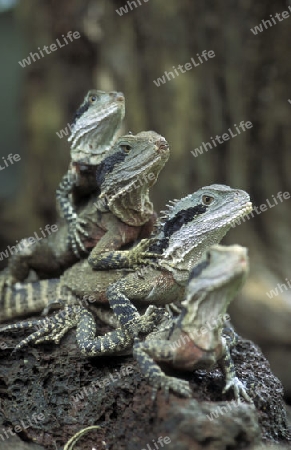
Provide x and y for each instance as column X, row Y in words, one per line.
column 175, row 206
column 217, row 199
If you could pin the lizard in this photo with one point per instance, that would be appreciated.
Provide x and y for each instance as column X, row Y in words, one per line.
column 191, row 225
column 119, row 215
column 93, row 132
column 198, row 338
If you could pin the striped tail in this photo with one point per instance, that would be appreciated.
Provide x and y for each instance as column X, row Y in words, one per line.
column 22, row 299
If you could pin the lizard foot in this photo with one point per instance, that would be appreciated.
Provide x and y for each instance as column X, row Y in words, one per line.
column 151, row 318
column 76, row 232
column 167, row 384
column 173, row 309
column 50, row 329
column 146, row 323
column 140, row 254
column 238, row 388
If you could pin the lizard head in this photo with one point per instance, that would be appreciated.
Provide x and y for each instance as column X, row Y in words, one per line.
column 213, row 284
column 95, row 125
column 194, row 223
column 127, row 173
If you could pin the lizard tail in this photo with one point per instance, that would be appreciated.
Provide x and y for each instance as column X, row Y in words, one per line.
column 23, row 299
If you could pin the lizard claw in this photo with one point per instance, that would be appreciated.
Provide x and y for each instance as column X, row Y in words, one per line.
column 238, row 388
column 144, row 258
column 50, row 329
column 154, row 393
column 79, row 226
column 167, row 384
column 141, row 255
column 146, row 323
column 174, row 308
column 76, row 233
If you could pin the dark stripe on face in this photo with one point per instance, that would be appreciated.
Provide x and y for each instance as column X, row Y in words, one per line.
column 184, row 216
column 80, row 111
column 108, row 164
column 172, row 225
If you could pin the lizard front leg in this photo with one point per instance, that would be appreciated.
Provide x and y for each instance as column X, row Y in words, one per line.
column 76, row 223
column 229, row 339
column 147, row 285
column 53, row 328
column 48, row 258
column 117, row 235
column 125, row 259
column 146, row 353
column 114, row 342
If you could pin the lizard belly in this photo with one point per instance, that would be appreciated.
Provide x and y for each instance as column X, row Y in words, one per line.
column 165, row 289
column 191, row 357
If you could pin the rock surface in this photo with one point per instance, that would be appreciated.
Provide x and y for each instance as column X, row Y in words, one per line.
column 73, row 393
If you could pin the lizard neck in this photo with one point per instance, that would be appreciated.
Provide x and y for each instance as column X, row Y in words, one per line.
column 181, row 253
column 134, row 208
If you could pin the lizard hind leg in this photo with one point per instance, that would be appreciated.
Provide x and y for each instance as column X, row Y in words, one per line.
column 119, row 341
column 50, row 329
column 227, row 366
column 145, row 353
column 128, row 315
column 113, row 342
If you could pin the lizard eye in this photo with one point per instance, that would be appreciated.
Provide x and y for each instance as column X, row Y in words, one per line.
column 125, row 148
column 207, row 199
column 92, row 98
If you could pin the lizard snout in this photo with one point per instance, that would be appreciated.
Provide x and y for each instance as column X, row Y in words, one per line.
column 162, row 144
column 119, row 97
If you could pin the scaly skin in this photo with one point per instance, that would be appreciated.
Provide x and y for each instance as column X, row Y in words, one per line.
column 118, row 216
column 191, row 226
column 195, row 339
column 198, row 221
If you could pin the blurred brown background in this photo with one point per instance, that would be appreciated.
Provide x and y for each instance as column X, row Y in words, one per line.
column 249, row 79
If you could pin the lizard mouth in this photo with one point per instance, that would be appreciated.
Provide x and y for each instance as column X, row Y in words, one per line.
column 243, row 261
column 247, row 209
column 120, row 97
column 162, row 144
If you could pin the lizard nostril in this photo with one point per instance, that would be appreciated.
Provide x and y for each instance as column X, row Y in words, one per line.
column 120, row 97
column 162, row 144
